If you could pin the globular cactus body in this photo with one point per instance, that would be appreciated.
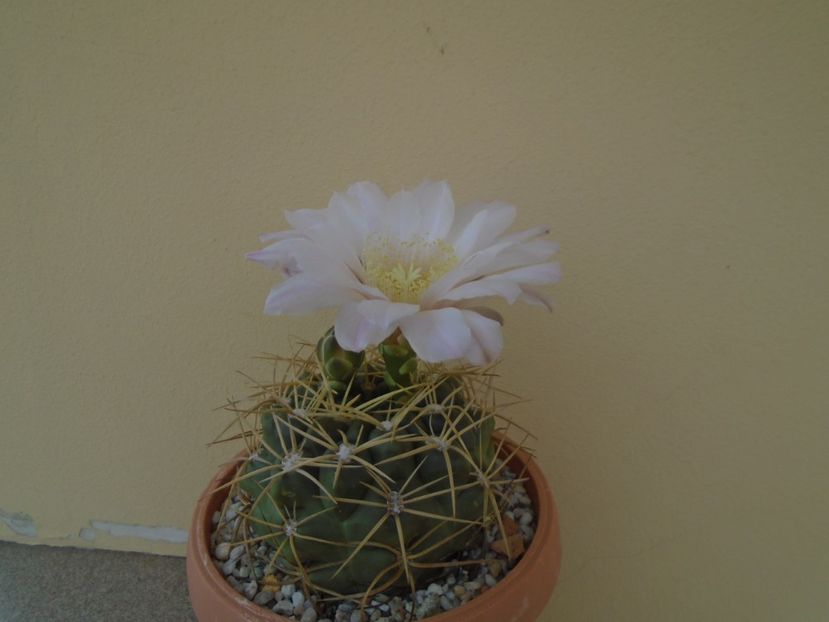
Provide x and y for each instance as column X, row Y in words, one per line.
column 367, row 474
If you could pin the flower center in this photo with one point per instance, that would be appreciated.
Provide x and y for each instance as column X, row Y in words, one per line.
column 403, row 270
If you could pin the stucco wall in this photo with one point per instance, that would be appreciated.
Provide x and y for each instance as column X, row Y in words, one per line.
column 677, row 149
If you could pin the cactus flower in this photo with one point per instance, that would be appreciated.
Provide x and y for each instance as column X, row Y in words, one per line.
column 410, row 262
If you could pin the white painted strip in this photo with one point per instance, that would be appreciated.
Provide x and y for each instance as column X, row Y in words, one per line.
column 167, row 534
column 20, row 523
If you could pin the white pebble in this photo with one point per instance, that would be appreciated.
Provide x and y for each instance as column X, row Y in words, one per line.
column 526, row 518
column 222, row 551
column 250, row 590
column 490, row 580
column 263, row 598
column 288, row 590
column 310, row 615
column 298, row 599
column 237, row 551
column 434, row 588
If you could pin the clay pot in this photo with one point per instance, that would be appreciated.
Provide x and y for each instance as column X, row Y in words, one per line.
column 519, row 597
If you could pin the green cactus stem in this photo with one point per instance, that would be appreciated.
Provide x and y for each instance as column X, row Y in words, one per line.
column 372, row 472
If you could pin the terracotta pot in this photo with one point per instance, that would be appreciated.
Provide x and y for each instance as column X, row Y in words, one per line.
column 519, row 597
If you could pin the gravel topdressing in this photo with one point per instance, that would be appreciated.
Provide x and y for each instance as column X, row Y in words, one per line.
column 251, row 573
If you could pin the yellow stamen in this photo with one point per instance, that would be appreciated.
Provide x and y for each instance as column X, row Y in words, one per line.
column 403, row 270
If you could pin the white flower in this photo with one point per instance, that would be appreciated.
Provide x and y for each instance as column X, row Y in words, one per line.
column 410, row 262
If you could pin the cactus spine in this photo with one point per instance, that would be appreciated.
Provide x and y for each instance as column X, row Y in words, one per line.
column 369, row 472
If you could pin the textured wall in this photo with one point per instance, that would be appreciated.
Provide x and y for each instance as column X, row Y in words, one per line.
column 677, row 149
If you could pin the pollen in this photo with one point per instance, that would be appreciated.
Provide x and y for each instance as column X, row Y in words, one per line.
column 404, row 269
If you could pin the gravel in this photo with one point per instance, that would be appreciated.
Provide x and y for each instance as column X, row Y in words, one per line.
column 245, row 570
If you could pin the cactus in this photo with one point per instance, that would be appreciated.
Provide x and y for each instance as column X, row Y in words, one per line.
column 372, row 471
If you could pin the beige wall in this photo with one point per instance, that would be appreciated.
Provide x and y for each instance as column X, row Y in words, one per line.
column 677, row 149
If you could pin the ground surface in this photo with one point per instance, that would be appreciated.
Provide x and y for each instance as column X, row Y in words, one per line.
column 61, row 584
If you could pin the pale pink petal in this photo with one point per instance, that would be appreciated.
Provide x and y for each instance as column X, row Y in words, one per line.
column 301, row 255
column 280, row 235
column 273, row 255
column 437, row 335
column 437, row 209
column 367, row 323
column 331, row 232
column 487, row 339
column 519, row 250
column 517, row 255
column 463, row 216
column 537, row 274
column 301, row 295
column 508, row 285
column 477, row 307
column 479, row 225
column 402, row 217
column 484, row 288
column 536, row 298
column 360, row 208
column 369, row 196
column 524, row 236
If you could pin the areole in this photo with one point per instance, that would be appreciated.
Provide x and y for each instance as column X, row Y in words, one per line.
column 519, row 597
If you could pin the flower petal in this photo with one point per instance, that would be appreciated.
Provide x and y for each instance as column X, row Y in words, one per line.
column 437, row 209
column 301, row 295
column 301, row 255
column 510, row 251
column 280, row 235
column 334, row 235
column 477, row 306
column 357, row 212
column 367, row 323
column 402, row 217
column 508, row 285
column 478, row 225
column 487, row 339
column 534, row 297
column 437, row 335
column 518, row 255
column 485, row 288
column 427, row 212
